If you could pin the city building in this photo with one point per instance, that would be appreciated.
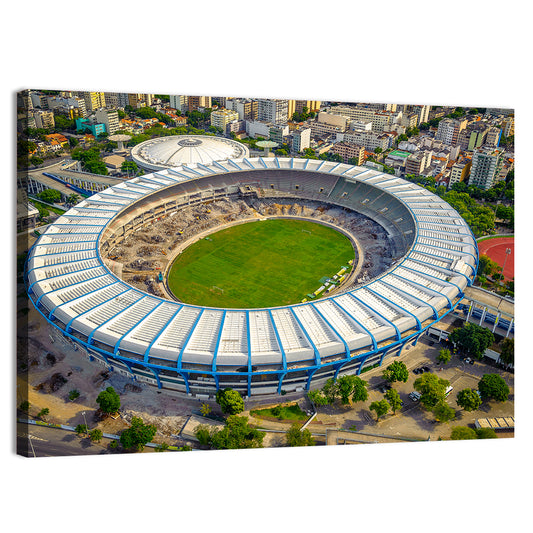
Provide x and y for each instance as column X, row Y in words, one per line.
column 245, row 107
column 179, row 102
column 460, row 171
column 93, row 100
column 418, row 162
column 195, row 102
column 272, row 110
column 449, row 129
column 83, row 124
column 508, row 127
column 44, row 119
column 486, row 166
column 349, row 151
column 301, row 139
column 473, row 136
column 220, row 118
column 278, row 132
column 109, row 118
column 493, row 137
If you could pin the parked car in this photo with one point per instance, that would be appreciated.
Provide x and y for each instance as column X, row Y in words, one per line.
column 415, row 396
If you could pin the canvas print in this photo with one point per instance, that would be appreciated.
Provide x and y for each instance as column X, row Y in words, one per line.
column 217, row 272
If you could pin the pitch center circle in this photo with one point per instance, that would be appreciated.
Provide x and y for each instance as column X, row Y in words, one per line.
column 268, row 262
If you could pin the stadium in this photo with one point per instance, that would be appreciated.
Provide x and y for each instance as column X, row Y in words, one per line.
column 428, row 257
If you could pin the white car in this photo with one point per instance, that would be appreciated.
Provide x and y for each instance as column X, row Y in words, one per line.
column 415, row 396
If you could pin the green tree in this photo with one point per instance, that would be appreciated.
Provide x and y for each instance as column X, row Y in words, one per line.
column 317, row 397
column 203, row 434
column 444, row 356
column 393, row 397
column 463, row 433
column 205, row 409
column 50, row 196
column 507, row 353
column 432, row 389
column 43, row 413
column 109, row 401
column 396, row 371
column 25, row 406
column 443, row 412
column 137, row 435
column 493, row 387
column 236, row 434
column 381, row 408
column 95, row 435
column 161, row 447
column 80, row 429
column 469, row 400
column 73, row 199
column 472, row 339
column 331, row 390
column 73, row 394
column 486, row 433
column 295, row 437
column 360, row 392
column 129, row 166
column 230, row 401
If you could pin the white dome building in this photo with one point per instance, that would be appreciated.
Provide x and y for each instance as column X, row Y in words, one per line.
column 177, row 150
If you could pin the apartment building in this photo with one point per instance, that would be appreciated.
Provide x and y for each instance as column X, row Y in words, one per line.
column 418, row 162
column 348, row 150
column 459, row 171
column 220, row 118
column 194, row 102
column 449, row 129
column 486, row 166
column 179, row 102
column 44, row 119
column 245, row 107
column 493, row 137
column 93, row 100
column 301, row 139
column 275, row 111
column 473, row 136
column 368, row 139
column 508, row 126
column 108, row 117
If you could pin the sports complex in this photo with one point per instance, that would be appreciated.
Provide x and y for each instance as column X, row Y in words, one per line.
column 410, row 258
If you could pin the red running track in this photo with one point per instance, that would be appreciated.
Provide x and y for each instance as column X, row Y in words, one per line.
column 495, row 249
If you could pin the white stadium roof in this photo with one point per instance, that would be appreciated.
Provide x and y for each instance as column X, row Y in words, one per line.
column 176, row 150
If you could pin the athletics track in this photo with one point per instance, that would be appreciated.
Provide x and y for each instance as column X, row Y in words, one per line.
column 495, row 249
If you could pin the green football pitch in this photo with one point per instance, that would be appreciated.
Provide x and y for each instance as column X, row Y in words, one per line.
column 265, row 263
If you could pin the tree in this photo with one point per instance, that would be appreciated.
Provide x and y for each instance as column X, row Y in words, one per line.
column 486, row 433
column 432, row 389
column 493, row 387
column 295, row 437
column 360, row 393
column 50, row 196
column 80, row 429
column 230, row 401
column 205, row 409
column 396, row 371
column 129, row 166
column 469, row 400
column 507, row 353
column 463, row 433
column 472, row 339
column 95, row 435
column 444, row 356
column 443, row 412
column 203, row 434
column 393, row 397
column 73, row 199
column 345, row 388
column 109, row 401
column 138, row 434
column 317, row 397
column 25, row 406
column 236, row 434
column 331, row 390
column 43, row 413
column 381, row 408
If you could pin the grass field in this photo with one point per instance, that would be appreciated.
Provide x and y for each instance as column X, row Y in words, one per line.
column 259, row 264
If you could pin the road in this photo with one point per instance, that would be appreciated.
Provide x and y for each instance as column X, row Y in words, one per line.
column 52, row 442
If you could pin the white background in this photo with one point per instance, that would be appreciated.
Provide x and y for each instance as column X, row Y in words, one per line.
column 475, row 53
